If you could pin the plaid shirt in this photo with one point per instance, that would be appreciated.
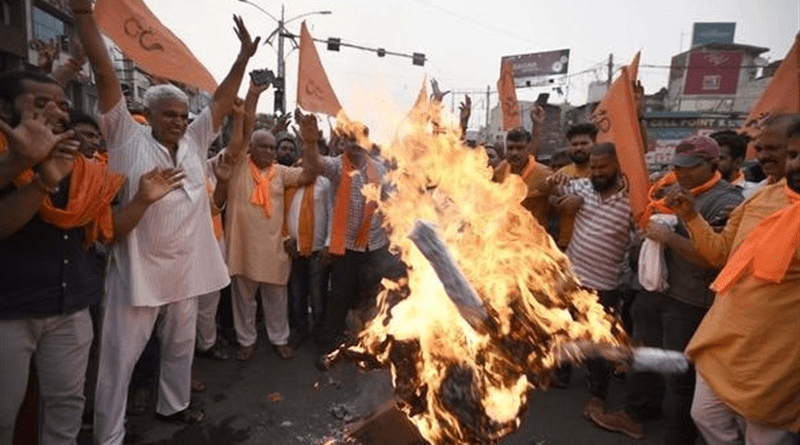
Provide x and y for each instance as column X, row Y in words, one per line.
column 333, row 171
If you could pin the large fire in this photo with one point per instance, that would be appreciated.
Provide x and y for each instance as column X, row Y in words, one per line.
column 462, row 382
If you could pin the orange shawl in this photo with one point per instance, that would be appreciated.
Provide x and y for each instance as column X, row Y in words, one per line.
column 659, row 205
column 767, row 251
column 305, row 223
column 260, row 196
column 341, row 208
column 92, row 187
column 529, row 169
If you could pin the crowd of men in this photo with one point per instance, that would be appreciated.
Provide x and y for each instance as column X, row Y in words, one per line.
column 119, row 231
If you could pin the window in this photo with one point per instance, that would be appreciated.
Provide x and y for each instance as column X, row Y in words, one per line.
column 45, row 26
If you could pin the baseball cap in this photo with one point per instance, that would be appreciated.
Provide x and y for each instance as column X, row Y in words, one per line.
column 695, row 149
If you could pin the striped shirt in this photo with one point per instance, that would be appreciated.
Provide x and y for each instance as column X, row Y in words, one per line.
column 600, row 237
column 172, row 253
column 377, row 235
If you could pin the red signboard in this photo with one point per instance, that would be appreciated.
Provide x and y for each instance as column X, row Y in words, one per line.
column 713, row 73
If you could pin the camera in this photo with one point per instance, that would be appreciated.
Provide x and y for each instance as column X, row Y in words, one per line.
column 262, row 77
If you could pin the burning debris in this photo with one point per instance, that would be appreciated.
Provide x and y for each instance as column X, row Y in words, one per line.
column 489, row 302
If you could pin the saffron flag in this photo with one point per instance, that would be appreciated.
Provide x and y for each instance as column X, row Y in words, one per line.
column 314, row 91
column 782, row 94
column 143, row 38
column 617, row 119
column 508, row 97
column 420, row 112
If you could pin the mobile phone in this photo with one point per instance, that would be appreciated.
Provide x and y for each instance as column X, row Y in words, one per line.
column 262, row 77
column 542, row 99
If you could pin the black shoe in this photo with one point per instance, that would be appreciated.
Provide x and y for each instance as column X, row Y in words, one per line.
column 214, row 353
column 188, row 416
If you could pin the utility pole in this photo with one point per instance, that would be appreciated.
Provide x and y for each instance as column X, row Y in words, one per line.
column 610, row 69
column 488, row 95
column 281, row 101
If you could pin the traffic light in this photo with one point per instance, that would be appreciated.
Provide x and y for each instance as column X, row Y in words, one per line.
column 418, row 59
column 381, row 52
column 279, row 94
column 333, row 43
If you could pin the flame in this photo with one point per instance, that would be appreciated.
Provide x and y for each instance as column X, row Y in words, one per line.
column 456, row 383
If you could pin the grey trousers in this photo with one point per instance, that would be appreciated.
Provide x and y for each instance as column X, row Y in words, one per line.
column 59, row 346
column 720, row 425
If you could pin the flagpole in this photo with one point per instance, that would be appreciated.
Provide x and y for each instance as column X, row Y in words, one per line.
column 282, row 33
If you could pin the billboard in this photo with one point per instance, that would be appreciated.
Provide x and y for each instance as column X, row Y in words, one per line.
column 712, row 33
column 712, row 73
column 530, row 68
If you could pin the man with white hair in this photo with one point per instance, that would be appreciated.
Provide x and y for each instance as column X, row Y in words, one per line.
column 171, row 257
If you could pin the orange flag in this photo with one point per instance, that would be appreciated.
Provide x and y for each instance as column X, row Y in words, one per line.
column 618, row 122
column 143, row 38
column 314, row 91
column 782, row 94
column 508, row 97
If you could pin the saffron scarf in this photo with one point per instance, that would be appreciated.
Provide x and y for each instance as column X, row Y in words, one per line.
column 767, row 251
column 659, row 205
column 305, row 223
column 260, row 196
column 341, row 208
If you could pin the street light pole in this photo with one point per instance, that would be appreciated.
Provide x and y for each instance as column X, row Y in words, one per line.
column 281, row 34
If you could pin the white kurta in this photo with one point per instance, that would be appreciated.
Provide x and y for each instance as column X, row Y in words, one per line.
column 172, row 253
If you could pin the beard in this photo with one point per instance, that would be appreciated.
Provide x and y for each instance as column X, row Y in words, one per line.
column 579, row 158
column 604, row 184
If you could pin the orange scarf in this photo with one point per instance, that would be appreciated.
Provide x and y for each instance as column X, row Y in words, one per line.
column 216, row 217
column 341, row 209
column 305, row 223
column 761, row 254
column 101, row 157
column 657, row 205
column 530, row 168
column 738, row 179
column 260, row 196
column 92, row 187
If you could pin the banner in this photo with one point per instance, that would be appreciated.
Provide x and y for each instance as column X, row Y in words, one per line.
column 508, row 97
column 529, row 68
column 711, row 73
column 146, row 41
column 616, row 118
column 314, row 91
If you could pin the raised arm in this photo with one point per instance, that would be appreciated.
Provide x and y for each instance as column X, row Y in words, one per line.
column 537, row 120
column 69, row 69
column 108, row 87
column 464, row 112
column 223, row 98
column 309, row 135
column 250, row 104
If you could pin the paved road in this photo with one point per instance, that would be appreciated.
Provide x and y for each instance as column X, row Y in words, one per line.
column 273, row 401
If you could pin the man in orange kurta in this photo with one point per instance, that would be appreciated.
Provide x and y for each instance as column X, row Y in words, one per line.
column 254, row 239
column 747, row 349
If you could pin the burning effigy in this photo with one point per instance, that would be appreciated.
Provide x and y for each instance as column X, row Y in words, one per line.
column 489, row 302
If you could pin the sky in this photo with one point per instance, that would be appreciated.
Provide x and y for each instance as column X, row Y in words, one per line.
column 464, row 41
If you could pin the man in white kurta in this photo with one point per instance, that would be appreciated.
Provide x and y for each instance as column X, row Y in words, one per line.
column 169, row 258
column 254, row 239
